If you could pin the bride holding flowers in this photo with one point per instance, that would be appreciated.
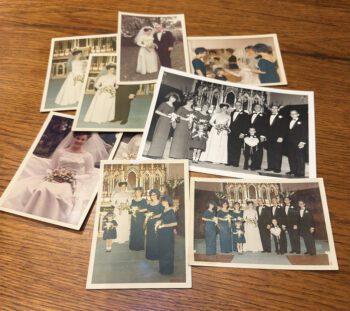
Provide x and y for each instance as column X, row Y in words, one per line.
column 102, row 107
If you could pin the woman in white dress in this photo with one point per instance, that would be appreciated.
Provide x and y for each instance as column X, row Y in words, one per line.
column 147, row 60
column 216, row 150
column 102, row 107
column 71, row 89
column 251, row 229
column 121, row 200
column 38, row 192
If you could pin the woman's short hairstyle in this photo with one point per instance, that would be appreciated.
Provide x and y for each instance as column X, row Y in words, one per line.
column 78, row 133
column 168, row 199
column 223, row 201
column 155, row 191
column 199, row 50
column 210, row 202
column 122, row 183
column 172, row 94
column 250, row 202
column 230, row 50
column 109, row 66
column 76, row 52
column 262, row 48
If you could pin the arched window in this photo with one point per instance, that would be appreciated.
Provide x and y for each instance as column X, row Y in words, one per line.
column 60, row 70
column 230, row 98
column 263, row 193
column 146, row 183
column 156, row 183
column 132, row 181
column 252, row 192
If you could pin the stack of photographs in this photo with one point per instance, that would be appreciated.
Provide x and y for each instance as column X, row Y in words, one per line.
column 151, row 106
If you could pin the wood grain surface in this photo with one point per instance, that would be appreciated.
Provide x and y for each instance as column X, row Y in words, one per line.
column 43, row 267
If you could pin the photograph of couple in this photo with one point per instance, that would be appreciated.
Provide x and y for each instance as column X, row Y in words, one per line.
column 139, row 235
column 67, row 67
column 147, row 42
column 230, row 130
column 254, row 60
column 106, row 106
column 57, row 180
column 282, row 224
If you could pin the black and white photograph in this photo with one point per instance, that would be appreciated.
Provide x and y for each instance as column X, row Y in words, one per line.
column 57, row 180
column 268, row 224
column 106, row 106
column 67, row 68
column 141, row 223
column 148, row 42
column 229, row 129
column 254, row 60
column 128, row 147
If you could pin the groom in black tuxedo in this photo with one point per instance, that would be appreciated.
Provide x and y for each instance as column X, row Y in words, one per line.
column 124, row 95
column 264, row 224
column 164, row 41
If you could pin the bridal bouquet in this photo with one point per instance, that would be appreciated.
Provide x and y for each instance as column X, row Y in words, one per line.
column 149, row 215
column 174, row 118
column 222, row 127
column 191, row 117
column 157, row 225
column 251, row 222
column 78, row 78
column 61, row 175
column 109, row 90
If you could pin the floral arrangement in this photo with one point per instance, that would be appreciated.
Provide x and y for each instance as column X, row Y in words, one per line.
column 78, row 78
column 222, row 127
column 174, row 118
column 61, row 175
column 190, row 118
column 251, row 221
column 157, row 225
column 109, row 90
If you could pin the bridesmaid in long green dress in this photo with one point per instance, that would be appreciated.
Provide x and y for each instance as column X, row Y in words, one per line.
column 224, row 218
column 179, row 148
column 155, row 210
column 166, row 240
column 137, row 234
column 163, row 126
column 237, row 216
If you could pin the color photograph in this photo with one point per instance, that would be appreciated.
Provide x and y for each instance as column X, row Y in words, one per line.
column 67, row 67
column 268, row 224
column 148, row 42
column 253, row 60
column 57, row 181
column 230, row 129
column 140, row 232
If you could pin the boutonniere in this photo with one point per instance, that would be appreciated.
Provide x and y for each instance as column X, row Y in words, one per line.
column 298, row 122
column 306, row 211
column 260, row 114
column 280, row 117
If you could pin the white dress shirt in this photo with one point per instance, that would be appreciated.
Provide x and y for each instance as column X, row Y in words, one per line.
column 291, row 123
column 272, row 118
column 159, row 35
column 235, row 114
column 302, row 212
column 254, row 117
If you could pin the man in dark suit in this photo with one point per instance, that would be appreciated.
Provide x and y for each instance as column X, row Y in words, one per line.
column 124, row 95
column 278, row 214
column 164, row 41
column 292, row 225
column 264, row 224
column 296, row 141
column 276, row 133
column 259, row 121
column 307, row 228
column 238, row 127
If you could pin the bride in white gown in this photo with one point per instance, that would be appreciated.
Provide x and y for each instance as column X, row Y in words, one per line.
column 251, row 229
column 38, row 195
column 121, row 200
column 102, row 107
column 71, row 89
column 147, row 60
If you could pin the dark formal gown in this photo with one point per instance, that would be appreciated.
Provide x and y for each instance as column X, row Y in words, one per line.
column 179, row 148
column 236, row 216
column 270, row 69
column 199, row 65
column 161, row 132
column 137, row 233
column 210, row 233
column 225, row 233
column 166, row 242
column 151, row 236
column 122, row 101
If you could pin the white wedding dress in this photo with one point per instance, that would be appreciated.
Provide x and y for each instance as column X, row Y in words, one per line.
column 70, row 91
column 122, row 201
column 216, row 150
column 102, row 107
column 147, row 60
column 251, row 230
column 32, row 194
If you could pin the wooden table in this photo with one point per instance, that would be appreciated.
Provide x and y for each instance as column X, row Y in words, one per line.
column 43, row 267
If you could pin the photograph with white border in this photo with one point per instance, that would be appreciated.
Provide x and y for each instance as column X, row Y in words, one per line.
column 67, row 66
column 254, row 60
column 140, row 234
column 147, row 42
column 231, row 129
column 106, row 106
column 263, row 224
column 57, row 181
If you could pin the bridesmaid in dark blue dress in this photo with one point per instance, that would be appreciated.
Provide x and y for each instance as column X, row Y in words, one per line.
column 155, row 210
column 166, row 239
column 198, row 63
column 210, row 228
column 267, row 64
column 137, row 233
column 237, row 216
column 109, row 232
column 225, row 228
